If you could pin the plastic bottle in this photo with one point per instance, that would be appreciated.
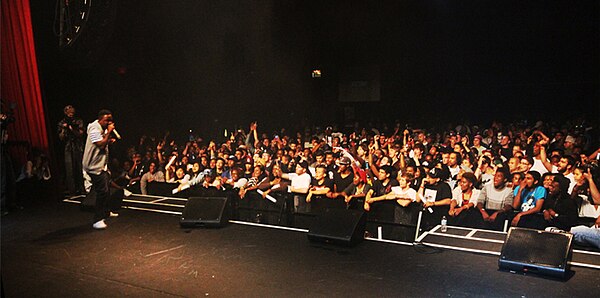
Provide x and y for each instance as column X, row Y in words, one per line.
column 444, row 224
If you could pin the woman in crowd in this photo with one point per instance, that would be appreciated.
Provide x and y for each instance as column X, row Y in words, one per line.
column 258, row 175
column 180, row 176
column 195, row 171
column 355, row 193
column 464, row 199
column 586, row 194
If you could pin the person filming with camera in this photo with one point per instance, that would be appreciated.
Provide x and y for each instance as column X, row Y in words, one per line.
column 70, row 132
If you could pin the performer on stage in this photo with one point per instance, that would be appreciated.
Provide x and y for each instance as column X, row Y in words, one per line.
column 95, row 163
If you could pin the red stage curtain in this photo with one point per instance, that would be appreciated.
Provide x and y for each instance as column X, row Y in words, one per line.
column 20, row 80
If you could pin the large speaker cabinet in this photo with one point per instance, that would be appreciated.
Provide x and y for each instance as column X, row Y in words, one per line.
column 210, row 212
column 534, row 251
column 339, row 226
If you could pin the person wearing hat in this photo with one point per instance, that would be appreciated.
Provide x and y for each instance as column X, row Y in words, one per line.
column 330, row 163
column 436, row 196
column 478, row 145
column 299, row 186
column 569, row 144
column 342, row 178
column 231, row 162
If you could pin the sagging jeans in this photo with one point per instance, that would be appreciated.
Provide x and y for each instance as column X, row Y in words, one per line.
column 100, row 184
column 585, row 235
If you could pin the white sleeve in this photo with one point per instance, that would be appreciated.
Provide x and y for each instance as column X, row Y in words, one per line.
column 94, row 133
column 475, row 197
column 302, row 181
column 412, row 194
column 456, row 196
column 240, row 183
column 185, row 179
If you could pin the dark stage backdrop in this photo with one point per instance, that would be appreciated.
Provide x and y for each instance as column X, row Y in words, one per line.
column 209, row 65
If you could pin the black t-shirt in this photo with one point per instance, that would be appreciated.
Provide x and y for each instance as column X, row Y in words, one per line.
column 440, row 191
column 314, row 183
column 351, row 189
column 416, row 183
column 341, row 183
column 379, row 189
column 331, row 170
column 411, row 162
column 562, row 204
column 506, row 152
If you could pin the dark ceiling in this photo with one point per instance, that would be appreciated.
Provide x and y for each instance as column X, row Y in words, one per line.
column 211, row 65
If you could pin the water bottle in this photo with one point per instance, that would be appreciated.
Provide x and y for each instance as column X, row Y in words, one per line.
column 444, row 224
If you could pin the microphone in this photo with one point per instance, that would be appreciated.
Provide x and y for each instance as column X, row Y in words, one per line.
column 114, row 131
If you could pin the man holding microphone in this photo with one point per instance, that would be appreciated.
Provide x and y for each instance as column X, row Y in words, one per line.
column 95, row 163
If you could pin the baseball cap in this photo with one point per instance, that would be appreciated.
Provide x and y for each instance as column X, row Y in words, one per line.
column 344, row 160
column 570, row 139
column 435, row 173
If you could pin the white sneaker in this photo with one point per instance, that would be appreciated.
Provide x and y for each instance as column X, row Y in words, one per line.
column 99, row 225
column 114, row 214
column 554, row 230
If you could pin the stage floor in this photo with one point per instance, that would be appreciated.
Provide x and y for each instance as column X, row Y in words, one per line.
column 51, row 251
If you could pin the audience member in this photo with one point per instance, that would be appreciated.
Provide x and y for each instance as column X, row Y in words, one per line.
column 495, row 201
column 153, row 175
column 464, row 200
column 559, row 209
column 528, row 202
column 249, row 161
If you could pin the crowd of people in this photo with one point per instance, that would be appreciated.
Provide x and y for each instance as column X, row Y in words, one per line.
column 535, row 176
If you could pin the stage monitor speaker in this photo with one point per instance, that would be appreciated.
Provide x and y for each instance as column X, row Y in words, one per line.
column 210, row 212
column 338, row 226
column 535, row 251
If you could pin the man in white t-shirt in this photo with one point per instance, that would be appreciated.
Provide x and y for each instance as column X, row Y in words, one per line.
column 404, row 194
column 95, row 164
column 299, row 186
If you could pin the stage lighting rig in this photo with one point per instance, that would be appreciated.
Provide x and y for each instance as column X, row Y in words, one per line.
column 73, row 18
